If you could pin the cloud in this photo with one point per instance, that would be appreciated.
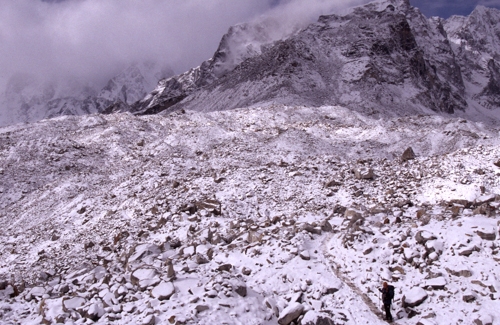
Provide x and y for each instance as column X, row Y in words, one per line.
column 91, row 39
column 88, row 38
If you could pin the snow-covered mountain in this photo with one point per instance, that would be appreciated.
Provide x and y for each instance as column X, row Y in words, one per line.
column 268, row 214
column 476, row 43
column 28, row 99
column 384, row 57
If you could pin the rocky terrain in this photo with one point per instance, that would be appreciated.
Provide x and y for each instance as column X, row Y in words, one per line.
column 266, row 215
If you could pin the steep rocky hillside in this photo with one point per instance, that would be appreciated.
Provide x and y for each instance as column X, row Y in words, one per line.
column 383, row 58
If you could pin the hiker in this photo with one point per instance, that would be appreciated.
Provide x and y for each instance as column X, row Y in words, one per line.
column 387, row 296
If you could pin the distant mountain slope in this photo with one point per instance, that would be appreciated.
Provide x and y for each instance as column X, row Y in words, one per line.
column 476, row 42
column 27, row 99
column 383, row 57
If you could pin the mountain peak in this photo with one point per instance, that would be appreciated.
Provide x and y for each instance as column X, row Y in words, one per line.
column 382, row 57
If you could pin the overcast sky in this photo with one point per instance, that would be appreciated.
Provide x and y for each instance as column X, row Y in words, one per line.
column 90, row 39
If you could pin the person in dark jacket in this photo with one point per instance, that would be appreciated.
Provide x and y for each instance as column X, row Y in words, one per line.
column 387, row 296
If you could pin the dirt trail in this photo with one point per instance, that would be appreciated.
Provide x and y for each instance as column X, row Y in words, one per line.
column 334, row 267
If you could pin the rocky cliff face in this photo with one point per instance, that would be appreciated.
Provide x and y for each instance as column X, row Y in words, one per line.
column 476, row 41
column 385, row 57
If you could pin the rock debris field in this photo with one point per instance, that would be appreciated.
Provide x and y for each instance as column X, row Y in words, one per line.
column 269, row 215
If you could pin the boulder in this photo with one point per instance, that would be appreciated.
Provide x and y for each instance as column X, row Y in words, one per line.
column 290, row 313
column 305, row 255
column 37, row 292
column 225, row 267
column 253, row 237
column 408, row 154
column 201, row 308
column 142, row 274
column 326, row 226
column 467, row 251
column 438, row 283
column 424, row 321
column 333, row 287
column 314, row 318
column 364, row 173
column 144, row 250
column 459, row 270
column 423, row 236
column 213, row 206
column 485, row 199
column 149, row 320
column 333, row 182
column 311, row 229
column 487, row 233
column 200, row 259
column 241, row 289
column 469, row 296
column 414, row 297
column 95, row 311
column 144, row 277
column 73, row 303
column 434, row 246
column 163, row 291
column 484, row 319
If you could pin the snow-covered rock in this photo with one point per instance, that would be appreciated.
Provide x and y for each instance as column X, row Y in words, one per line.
column 290, row 313
column 163, row 291
column 414, row 297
